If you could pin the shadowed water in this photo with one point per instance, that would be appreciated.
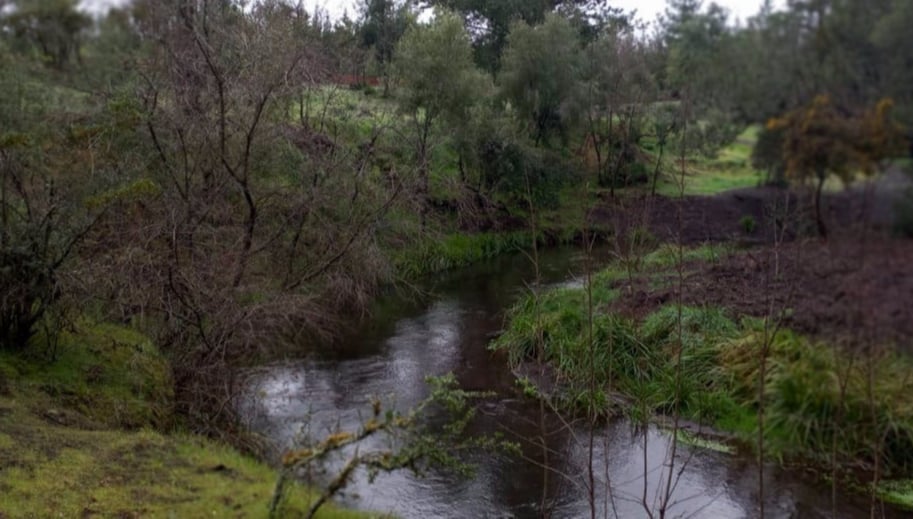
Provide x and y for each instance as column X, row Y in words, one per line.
column 448, row 331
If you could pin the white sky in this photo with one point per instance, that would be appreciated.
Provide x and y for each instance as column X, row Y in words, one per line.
column 646, row 9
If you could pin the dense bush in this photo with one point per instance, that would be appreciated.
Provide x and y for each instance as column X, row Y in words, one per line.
column 767, row 156
column 27, row 289
column 523, row 173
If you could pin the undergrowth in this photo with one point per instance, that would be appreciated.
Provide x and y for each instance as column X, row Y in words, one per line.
column 53, row 470
column 456, row 250
column 109, row 374
column 86, row 429
column 804, row 410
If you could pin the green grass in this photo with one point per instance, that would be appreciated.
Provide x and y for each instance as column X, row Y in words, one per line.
column 717, row 381
column 79, row 437
column 666, row 256
column 457, row 250
column 50, row 470
column 700, row 442
column 109, row 374
column 899, row 493
column 729, row 169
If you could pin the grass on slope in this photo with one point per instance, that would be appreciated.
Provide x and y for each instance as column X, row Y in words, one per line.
column 77, row 438
column 51, row 467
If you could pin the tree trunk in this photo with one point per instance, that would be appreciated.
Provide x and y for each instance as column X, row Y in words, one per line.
column 659, row 161
column 819, row 217
column 611, row 138
column 248, row 240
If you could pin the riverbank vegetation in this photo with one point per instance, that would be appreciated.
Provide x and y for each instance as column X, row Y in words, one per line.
column 86, row 428
column 817, row 397
column 189, row 187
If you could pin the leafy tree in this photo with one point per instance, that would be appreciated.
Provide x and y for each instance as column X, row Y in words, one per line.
column 52, row 27
column 767, row 155
column 541, row 76
column 821, row 140
column 384, row 23
column 440, row 83
column 894, row 40
column 699, row 59
column 618, row 87
column 490, row 21
column 48, row 169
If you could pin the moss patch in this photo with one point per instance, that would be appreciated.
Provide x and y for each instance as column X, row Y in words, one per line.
column 51, row 470
column 108, row 374
column 77, row 438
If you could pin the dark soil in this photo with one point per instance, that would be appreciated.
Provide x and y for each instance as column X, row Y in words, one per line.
column 775, row 213
column 855, row 288
column 853, row 291
column 704, row 219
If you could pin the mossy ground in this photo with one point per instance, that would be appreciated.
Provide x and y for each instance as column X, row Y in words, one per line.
column 108, row 374
column 77, row 439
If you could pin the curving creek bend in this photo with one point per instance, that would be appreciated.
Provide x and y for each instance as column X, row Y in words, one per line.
column 448, row 331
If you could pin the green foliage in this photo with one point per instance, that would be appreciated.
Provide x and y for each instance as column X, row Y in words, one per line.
column 820, row 140
column 29, row 286
column 525, row 175
column 903, row 212
column 714, row 169
column 666, row 257
column 109, row 374
column 540, row 75
column 435, row 68
column 50, row 27
column 767, row 155
column 699, row 62
column 897, row 492
column 497, row 16
column 384, row 23
column 748, row 224
column 457, row 250
column 717, row 380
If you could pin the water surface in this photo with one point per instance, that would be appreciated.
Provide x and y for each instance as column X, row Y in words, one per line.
column 448, row 330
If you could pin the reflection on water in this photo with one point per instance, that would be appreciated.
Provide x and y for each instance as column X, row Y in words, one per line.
column 449, row 331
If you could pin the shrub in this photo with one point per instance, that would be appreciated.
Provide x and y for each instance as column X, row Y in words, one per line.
column 521, row 172
column 28, row 288
column 767, row 156
column 748, row 224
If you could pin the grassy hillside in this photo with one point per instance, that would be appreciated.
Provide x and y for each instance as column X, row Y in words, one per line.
column 78, row 438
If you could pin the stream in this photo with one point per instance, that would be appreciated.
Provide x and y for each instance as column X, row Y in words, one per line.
column 410, row 338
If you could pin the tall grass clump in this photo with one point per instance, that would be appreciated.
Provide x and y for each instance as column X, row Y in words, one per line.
column 809, row 415
column 457, row 250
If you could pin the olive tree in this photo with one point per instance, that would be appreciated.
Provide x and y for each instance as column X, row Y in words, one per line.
column 440, row 83
column 540, row 77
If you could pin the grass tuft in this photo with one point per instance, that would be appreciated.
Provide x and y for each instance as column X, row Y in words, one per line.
column 805, row 412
